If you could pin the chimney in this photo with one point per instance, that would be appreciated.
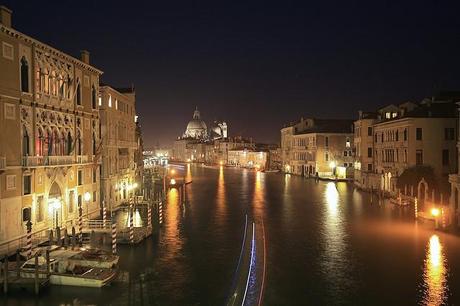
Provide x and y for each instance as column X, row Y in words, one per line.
column 5, row 16
column 84, row 55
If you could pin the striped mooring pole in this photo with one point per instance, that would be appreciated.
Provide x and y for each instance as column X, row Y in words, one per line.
column 114, row 238
column 131, row 223
column 149, row 216
column 104, row 214
column 29, row 239
column 416, row 207
column 80, row 223
column 160, row 212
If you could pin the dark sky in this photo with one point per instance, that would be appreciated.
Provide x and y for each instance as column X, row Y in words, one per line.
column 256, row 65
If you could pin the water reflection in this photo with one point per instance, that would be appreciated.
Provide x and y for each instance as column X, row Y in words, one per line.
column 435, row 274
column 334, row 262
column 171, row 227
column 220, row 193
column 188, row 174
column 258, row 198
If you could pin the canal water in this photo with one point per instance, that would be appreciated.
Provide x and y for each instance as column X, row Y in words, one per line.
column 326, row 244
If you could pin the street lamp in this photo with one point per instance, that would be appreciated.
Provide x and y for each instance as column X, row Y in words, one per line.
column 435, row 213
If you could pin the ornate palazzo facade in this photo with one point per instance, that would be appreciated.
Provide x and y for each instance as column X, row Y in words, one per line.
column 50, row 141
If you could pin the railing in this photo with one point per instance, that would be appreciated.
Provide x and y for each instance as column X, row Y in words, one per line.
column 97, row 224
column 35, row 161
column 10, row 246
column 2, row 163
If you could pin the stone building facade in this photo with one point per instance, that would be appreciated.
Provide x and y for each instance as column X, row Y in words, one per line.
column 50, row 140
column 120, row 145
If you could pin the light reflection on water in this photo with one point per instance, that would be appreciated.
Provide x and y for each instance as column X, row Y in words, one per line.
column 221, row 203
column 435, row 286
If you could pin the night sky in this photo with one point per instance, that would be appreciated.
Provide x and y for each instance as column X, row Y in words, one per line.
column 256, row 65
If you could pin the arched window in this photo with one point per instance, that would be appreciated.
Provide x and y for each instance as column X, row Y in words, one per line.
column 39, row 142
column 24, row 75
column 93, row 97
column 78, row 143
column 69, row 147
column 78, row 94
column 48, row 143
column 94, row 144
column 25, row 142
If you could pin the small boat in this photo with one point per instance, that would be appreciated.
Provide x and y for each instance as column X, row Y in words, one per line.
column 68, row 274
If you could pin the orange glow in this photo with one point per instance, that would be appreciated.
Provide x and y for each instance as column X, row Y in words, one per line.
column 221, row 163
column 435, row 212
column 173, row 182
column 435, row 274
column 173, row 171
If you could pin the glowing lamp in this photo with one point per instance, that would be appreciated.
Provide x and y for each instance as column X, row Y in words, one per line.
column 332, row 164
column 221, row 163
column 173, row 171
column 87, row 196
column 435, row 212
column 173, row 182
column 135, row 185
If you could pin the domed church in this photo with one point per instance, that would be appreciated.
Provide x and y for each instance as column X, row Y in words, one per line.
column 196, row 128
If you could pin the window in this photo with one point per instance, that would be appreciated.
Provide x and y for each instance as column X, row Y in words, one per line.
column 24, row 75
column 100, row 101
column 26, row 212
column 369, row 167
column 449, row 134
column 94, row 175
column 405, row 155
column 405, row 134
column 394, row 115
column 25, row 142
column 387, row 115
column 71, row 201
column 110, row 101
column 418, row 134
column 347, row 143
column 79, row 203
column 445, row 157
column 80, row 177
column 93, row 97
column 326, row 157
column 27, row 184
column 375, row 138
column 419, row 157
column 78, row 94
column 7, row 51
column 369, row 131
column 381, row 136
column 94, row 196
column 326, row 141
column 369, row 152
column 40, row 213
column 345, row 153
column 10, row 182
column 397, row 135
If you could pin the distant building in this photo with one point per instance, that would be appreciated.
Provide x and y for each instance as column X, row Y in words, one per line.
column 318, row 147
column 248, row 158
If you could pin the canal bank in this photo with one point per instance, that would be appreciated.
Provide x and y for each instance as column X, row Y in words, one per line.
column 325, row 243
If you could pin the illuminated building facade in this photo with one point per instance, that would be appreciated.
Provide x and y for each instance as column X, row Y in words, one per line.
column 118, row 126
column 409, row 135
column 318, row 147
column 248, row 158
column 50, row 140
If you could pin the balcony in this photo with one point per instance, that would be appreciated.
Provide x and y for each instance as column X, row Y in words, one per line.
column 39, row 161
column 2, row 163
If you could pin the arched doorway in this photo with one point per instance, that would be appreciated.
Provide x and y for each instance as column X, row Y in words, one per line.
column 55, row 205
column 422, row 190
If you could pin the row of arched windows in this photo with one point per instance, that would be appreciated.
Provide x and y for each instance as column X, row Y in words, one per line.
column 51, row 142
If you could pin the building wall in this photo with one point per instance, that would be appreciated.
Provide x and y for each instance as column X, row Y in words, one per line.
column 248, row 159
column 30, row 117
column 396, row 153
column 118, row 126
column 364, row 150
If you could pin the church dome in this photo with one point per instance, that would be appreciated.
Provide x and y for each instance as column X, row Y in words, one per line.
column 196, row 128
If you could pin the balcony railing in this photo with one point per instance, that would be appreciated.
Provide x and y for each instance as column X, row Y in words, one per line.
column 2, row 163
column 36, row 161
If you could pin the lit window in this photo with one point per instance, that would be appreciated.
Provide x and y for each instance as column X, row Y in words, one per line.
column 110, row 101
column 116, row 104
column 100, row 101
column 394, row 115
column 388, row 115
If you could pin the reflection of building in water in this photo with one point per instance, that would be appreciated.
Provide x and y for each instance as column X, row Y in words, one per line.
column 435, row 274
column 247, row 158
